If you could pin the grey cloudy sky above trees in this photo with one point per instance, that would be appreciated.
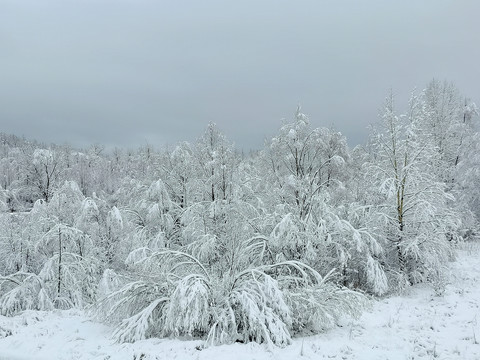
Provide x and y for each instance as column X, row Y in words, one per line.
column 127, row 73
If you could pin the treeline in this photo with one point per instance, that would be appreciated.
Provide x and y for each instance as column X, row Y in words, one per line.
column 200, row 240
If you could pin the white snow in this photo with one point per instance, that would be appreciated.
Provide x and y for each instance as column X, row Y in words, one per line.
column 416, row 325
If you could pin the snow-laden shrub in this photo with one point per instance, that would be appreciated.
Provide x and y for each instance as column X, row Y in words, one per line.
column 253, row 310
column 330, row 241
column 23, row 291
column 187, row 311
column 64, row 274
column 177, row 295
column 320, row 307
column 74, row 287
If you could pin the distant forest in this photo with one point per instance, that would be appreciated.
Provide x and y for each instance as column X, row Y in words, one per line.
column 203, row 241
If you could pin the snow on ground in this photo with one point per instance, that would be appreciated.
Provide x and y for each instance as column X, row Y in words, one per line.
column 418, row 325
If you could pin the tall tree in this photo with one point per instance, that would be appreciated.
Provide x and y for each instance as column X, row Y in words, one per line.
column 415, row 210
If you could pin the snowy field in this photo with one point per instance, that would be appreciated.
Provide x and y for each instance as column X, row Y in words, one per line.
column 416, row 325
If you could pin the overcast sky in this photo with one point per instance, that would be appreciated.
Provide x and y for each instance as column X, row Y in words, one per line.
column 127, row 73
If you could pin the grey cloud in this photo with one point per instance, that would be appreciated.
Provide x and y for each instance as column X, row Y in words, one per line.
column 128, row 72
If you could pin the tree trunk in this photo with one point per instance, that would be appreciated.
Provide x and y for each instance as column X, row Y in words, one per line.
column 59, row 261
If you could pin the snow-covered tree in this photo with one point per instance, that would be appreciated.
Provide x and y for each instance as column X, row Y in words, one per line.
column 113, row 234
column 64, row 267
column 417, row 224
column 216, row 158
column 45, row 171
column 302, row 162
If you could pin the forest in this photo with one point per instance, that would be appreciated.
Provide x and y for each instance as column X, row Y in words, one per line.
column 203, row 241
